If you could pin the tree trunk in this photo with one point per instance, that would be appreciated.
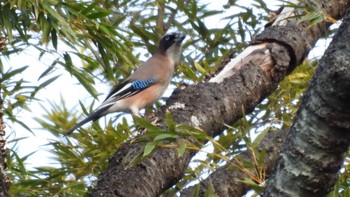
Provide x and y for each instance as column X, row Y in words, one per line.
column 236, row 90
column 320, row 135
column 4, row 179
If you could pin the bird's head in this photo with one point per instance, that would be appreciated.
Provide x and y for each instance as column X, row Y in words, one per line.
column 171, row 45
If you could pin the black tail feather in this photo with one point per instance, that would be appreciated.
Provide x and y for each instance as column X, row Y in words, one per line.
column 92, row 117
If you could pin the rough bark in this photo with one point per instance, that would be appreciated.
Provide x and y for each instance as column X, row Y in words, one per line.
column 225, row 181
column 320, row 135
column 4, row 179
column 240, row 86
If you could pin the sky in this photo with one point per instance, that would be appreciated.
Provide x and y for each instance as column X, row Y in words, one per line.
column 69, row 89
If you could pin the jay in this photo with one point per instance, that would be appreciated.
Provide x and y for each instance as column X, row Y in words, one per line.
column 145, row 86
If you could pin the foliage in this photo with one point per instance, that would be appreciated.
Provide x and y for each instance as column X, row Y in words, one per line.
column 107, row 38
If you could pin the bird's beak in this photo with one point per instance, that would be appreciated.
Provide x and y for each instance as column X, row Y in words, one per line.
column 180, row 38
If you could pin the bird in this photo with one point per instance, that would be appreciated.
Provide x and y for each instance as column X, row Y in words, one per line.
column 145, row 85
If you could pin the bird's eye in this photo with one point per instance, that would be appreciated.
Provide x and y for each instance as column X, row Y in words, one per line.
column 167, row 38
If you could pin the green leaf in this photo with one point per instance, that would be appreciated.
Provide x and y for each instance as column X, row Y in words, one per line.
column 89, row 8
column 310, row 16
column 17, row 140
column 68, row 62
column 1, row 67
column 43, row 85
column 194, row 9
column 188, row 72
column 261, row 156
column 47, row 82
column 47, row 71
column 98, row 15
column 147, row 125
column 182, row 148
column 200, row 68
column 203, row 29
column 23, row 125
column 196, row 190
column 257, row 188
column 209, row 192
column 347, row 192
column 83, row 78
column 46, row 31
column 169, row 122
column 149, row 148
column 260, row 137
column 12, row 73
column 20, row 163
column 54, row 38
column 165, row 136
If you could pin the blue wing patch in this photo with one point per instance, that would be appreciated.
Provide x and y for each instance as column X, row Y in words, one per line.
column 142, row 84
column 126, row 89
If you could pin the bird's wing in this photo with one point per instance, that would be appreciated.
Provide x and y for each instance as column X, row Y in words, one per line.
column 126, row 89
column 123, row 90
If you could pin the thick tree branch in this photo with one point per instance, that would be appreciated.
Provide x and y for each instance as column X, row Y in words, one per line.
column 320, row 135
column 209, row 105
column 225, row 181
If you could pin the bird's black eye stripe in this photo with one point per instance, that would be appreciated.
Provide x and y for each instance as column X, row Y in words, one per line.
column 167, row 38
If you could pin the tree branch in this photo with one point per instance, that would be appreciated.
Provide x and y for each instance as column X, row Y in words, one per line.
column 320, row 135
column 160, row 17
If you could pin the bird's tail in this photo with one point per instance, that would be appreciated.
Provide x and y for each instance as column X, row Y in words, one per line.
column 92, row 117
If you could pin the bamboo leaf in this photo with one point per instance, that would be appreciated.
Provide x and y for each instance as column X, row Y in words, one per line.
column 260, row 137
column 165, row 136
column 12, row 73
column 54, row 38
column 49, row 69
column 149, row 148
column 100, row 14
column 147, row 125
column 182, row 148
